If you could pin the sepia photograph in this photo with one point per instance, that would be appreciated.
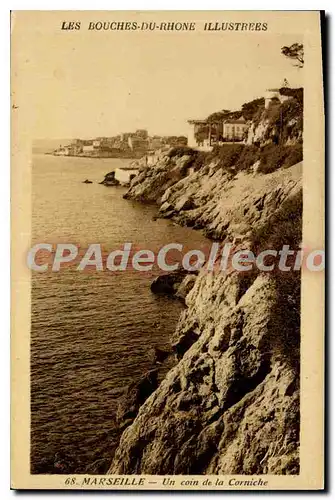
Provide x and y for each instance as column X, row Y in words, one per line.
column 173, row 213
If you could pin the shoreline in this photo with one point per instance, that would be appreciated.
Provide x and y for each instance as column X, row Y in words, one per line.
column 117, row 157
column 229, row 320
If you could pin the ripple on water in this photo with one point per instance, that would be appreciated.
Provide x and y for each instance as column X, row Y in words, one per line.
column 91, row 334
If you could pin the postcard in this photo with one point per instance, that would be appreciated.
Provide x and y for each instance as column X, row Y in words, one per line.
column 167, row 250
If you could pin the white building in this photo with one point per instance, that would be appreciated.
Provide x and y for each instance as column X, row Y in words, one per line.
column 203, row 135
column 233, row 130
column 197, row 133
column 125, row 175
column 88, row 148
column 274, row 94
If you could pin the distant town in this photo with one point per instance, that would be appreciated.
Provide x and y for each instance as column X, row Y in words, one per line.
column 203, row 134
column 125, row 145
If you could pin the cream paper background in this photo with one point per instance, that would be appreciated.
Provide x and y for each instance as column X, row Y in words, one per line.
column 31, row 28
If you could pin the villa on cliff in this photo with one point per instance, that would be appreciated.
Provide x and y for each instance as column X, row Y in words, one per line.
column 233, row 130
column 203, row 134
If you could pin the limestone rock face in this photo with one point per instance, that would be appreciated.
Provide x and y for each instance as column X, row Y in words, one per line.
column 152, row 181
column 209, row 199
column 231, row 403
column 256, row 132
column 177, row 283
column 232, row 207
column 134, row 397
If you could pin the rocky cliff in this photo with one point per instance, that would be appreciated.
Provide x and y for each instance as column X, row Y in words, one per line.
column 231, row 403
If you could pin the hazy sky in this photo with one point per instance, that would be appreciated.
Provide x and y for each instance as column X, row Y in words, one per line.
column 103, row 83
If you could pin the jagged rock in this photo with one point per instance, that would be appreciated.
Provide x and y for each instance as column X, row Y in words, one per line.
column 210, row 199
column 87, row 182
column 134, row 396
column 177, row 283
column 165, row 207
column 257, row 132
column 110, row 180
column 231, row 404
column 184, row 203
column 186, row 286
column 168, row 283
column 151, row 184
column 159, row 355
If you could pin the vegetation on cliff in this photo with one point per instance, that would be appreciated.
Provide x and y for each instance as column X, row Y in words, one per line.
column 274, row 139
column 231, row 404
column 247, row 110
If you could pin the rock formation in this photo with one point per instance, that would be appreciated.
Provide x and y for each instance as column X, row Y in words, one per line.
column 110, row 180
column 176, row 284
column 231, row 403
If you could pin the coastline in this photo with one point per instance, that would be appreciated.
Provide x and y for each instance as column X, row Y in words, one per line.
column 235, row 388
column 101, row 157
column 235, row 351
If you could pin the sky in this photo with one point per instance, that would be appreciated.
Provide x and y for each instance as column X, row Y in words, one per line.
column 91, row 84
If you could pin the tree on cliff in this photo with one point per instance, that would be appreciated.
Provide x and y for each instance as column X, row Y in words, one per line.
column 249, row 109
column 295, row 52
column 225, row 114
column 218, row 115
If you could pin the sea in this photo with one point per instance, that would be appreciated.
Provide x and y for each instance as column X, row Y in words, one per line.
column 92, row 332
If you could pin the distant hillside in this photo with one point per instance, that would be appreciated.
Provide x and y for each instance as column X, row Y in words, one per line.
column 48, row 145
